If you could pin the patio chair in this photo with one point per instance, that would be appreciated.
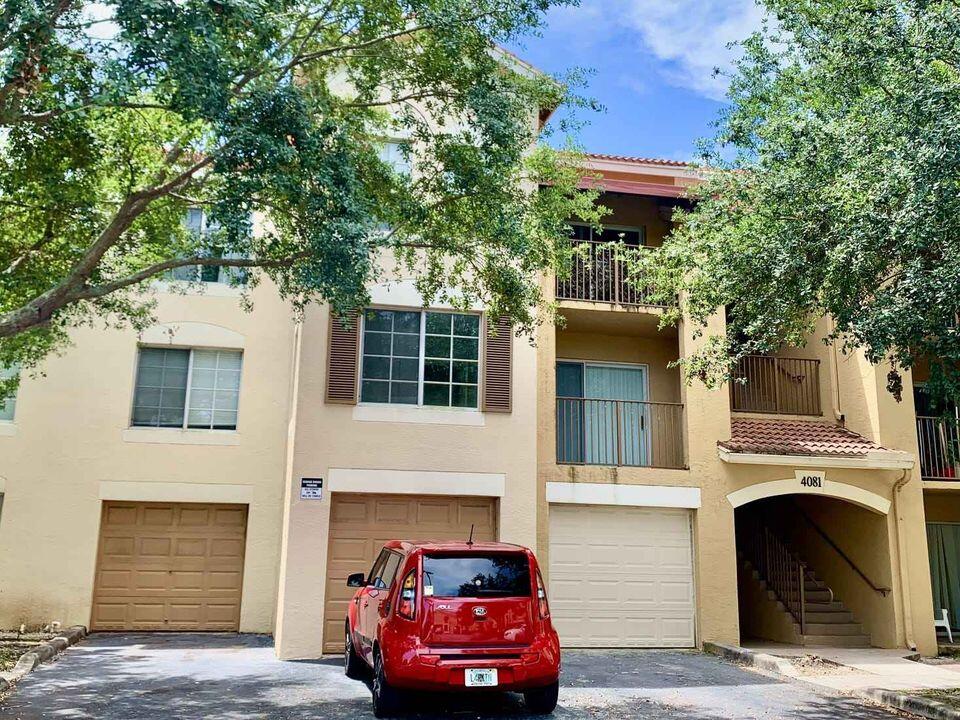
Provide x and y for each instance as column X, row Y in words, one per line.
column 944, row 624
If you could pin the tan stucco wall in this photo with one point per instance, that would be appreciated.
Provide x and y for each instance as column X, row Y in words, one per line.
column 762, row 617
column 942, row 507
column 332, row 436
column 72, row 434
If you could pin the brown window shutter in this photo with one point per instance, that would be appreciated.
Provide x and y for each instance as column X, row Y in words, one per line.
column 343, row 356
column 497, row 367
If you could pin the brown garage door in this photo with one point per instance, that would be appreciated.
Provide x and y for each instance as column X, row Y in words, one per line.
column 169, row 566
column 360, row 524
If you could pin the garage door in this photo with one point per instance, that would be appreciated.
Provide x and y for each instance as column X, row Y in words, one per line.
column 169, row 566
column 621, row 577
column 360, row 524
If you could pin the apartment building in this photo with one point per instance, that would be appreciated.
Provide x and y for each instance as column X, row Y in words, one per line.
column 227, row 470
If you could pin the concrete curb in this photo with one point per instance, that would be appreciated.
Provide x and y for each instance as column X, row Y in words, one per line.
column 44, row 651
column 925, row 707
column 761, row 661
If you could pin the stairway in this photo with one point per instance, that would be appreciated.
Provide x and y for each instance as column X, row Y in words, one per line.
column 827, row 620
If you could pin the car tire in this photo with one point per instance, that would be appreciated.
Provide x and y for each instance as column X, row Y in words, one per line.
column 542, row 701
column 386, row 698
column 353, row 666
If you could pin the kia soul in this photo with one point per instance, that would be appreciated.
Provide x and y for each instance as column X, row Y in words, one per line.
column 452, row 616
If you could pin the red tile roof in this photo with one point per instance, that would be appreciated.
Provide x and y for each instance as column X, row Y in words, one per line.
column 649, row 161
column 795, row 437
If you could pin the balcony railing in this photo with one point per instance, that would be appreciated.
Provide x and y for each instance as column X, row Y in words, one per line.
column 784, row 386
column 598, row 276
column 939, row 441
column 619, row 432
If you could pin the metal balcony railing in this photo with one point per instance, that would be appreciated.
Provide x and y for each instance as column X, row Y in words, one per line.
column 619, row 432
column 597, row 275
column 939, row 441
column 784, row 386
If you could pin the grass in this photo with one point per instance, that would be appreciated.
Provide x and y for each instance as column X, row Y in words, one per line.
column 949, row 696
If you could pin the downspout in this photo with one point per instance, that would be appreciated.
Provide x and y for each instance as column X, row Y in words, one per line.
column 904, row 570
column 835, row 371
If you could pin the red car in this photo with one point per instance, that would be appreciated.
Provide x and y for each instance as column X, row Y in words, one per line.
column 453, row 616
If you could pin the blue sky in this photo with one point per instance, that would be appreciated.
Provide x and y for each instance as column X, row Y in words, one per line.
column 653, row 63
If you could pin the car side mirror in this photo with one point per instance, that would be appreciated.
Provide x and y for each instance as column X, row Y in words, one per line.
column 357, row 580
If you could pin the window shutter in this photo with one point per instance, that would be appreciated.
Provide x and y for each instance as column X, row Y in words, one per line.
column 497, row 367
column 342, row 359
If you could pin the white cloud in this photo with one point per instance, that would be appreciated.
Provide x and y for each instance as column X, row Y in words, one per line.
column 691, row 36
column 687, row 38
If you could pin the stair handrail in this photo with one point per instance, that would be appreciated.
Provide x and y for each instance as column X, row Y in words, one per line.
column 784, row 572
column 883, row 591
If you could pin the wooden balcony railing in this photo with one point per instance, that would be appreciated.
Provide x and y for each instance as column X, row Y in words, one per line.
column 619, row 432
column 939, row 442
column 784, row 386
column 597, row 275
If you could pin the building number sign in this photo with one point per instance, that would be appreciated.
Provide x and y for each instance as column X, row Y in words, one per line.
column 811, row 480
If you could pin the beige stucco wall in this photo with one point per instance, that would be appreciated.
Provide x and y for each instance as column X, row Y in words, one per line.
column 71, row 441
column 335, row 436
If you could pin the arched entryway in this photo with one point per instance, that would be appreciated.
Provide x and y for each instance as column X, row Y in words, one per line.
column 813, row 568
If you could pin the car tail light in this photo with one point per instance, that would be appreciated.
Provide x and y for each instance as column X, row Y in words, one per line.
column 542, row 598
column 407, row 607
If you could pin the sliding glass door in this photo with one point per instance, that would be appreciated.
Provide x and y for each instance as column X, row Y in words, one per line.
column 602, row 416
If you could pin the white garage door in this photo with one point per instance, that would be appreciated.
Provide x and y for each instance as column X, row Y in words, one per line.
column 621, row 576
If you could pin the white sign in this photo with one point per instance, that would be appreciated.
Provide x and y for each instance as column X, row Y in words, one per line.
column 311, row 488
column 810, row 480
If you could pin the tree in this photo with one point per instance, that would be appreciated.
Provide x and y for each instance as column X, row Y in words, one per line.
column 117, row 118
column 833, row 189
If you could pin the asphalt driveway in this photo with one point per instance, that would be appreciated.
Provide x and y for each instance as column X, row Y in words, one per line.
column 237, row 677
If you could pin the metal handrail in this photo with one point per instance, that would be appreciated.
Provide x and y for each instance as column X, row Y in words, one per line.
column 784, row 573
column 939, row 443
column 764, row 390
column 599, row 275
column 628, row 433
column 823, row 534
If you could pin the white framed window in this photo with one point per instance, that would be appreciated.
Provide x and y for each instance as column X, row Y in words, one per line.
column 8, row 404
column 187, row 388
column 428, row 358
column 392, row 153
column 198, row 223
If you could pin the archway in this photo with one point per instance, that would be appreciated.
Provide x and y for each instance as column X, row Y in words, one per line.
column 814, row 568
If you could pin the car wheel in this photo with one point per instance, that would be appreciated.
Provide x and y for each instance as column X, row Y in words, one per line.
column 386, row 699
column 542, row 701
column 353, row 666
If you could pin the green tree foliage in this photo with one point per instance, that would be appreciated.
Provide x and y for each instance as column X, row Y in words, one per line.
column 115, row 118
column 834, row 190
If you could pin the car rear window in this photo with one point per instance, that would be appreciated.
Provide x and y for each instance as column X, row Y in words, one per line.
column 476, row 576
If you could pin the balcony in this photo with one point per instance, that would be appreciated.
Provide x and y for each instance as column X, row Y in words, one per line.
column 628, row 433
column 939, row 441
column 597, row 275
column 776, row 385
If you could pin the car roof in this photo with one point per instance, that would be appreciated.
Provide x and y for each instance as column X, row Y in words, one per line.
column 453, row 546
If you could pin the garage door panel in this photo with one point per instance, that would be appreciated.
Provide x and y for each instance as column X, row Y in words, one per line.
column 168, row 566
column 621, row 577
column 361, row 524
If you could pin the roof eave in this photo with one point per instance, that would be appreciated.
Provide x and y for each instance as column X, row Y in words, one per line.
column 872, row 460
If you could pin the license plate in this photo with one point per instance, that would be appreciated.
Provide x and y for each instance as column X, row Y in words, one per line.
column 485, row 677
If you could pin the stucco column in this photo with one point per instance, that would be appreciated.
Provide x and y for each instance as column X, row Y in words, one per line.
column 707, row 421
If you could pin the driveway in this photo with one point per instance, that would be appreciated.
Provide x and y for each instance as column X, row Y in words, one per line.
column 236, row 677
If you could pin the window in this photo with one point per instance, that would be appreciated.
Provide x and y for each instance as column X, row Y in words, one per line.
column 627, row 234
column 8, row 405
column 420, row 358
column 392, row 153
column 199, row 224
column 384, row 569
column 187, row 388
column 476, row 576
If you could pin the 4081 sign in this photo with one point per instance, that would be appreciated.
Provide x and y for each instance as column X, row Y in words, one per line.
column 811, row 480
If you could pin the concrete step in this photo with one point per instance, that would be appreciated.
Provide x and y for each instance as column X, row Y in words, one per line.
column 818, row 596
column 848, row 628
column 835, row 606
column 836, row 640
column 830, row 617
column 811, row 585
